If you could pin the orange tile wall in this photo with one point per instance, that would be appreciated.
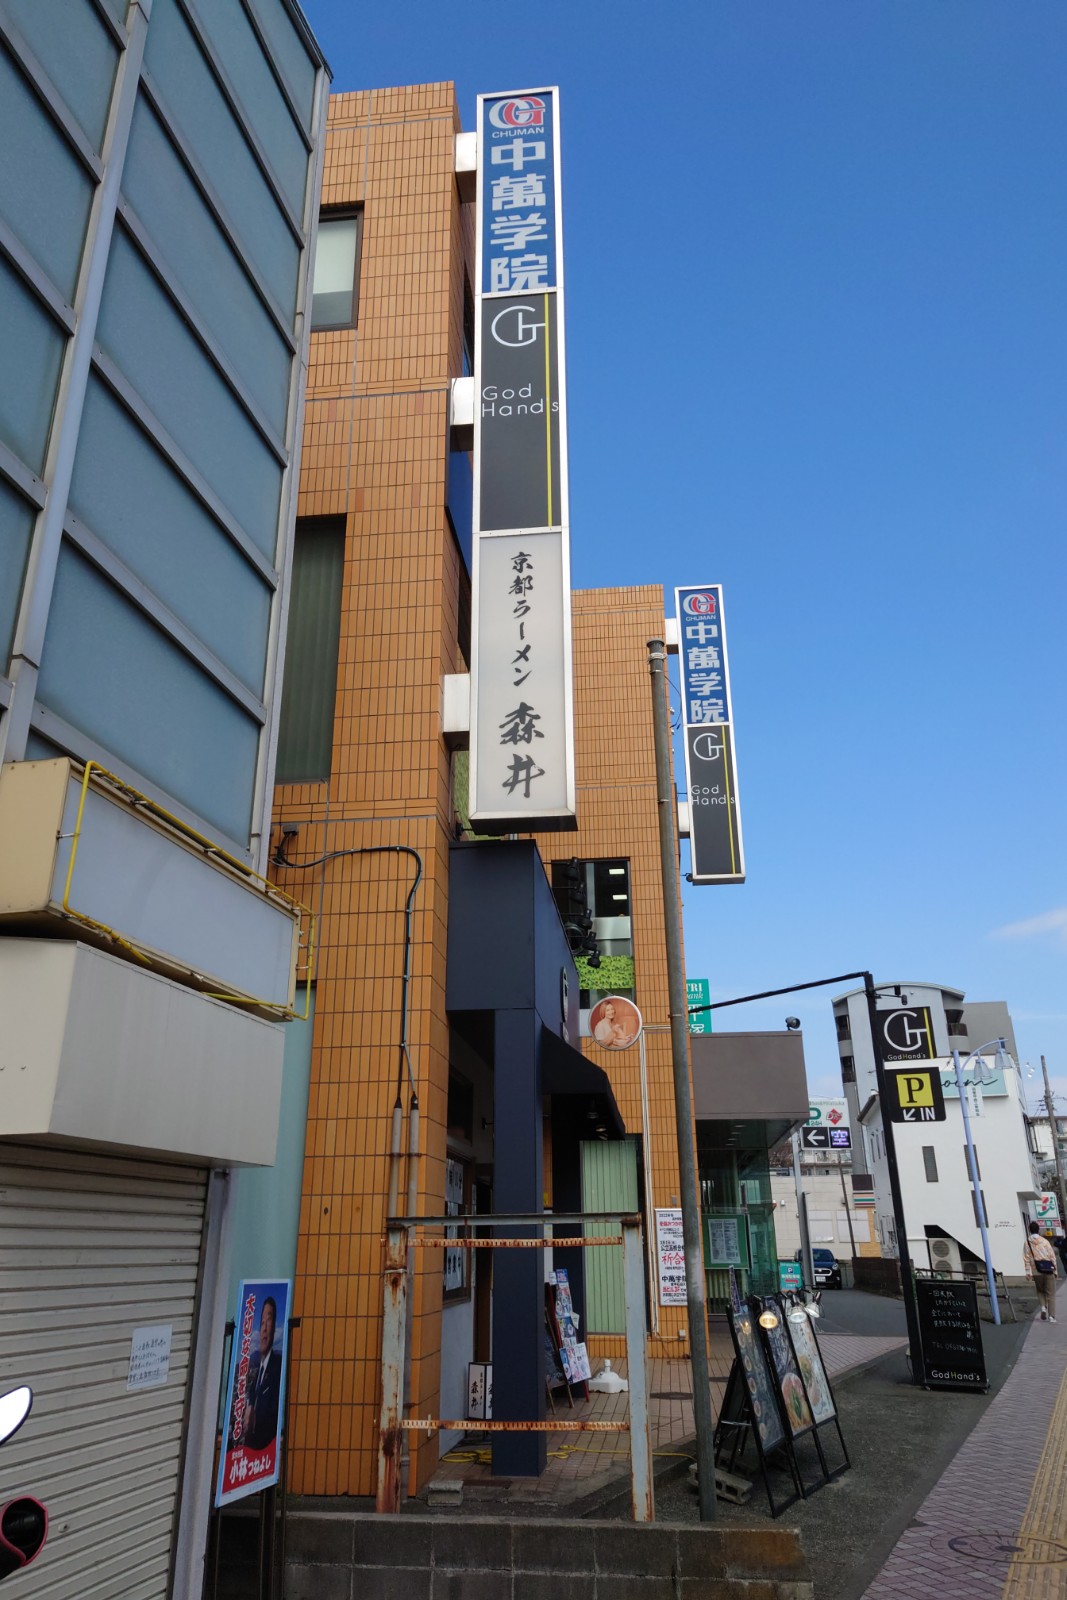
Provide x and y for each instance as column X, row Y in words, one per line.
column 375, row 442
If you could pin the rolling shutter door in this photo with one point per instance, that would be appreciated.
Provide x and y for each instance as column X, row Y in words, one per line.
column 92, row 1247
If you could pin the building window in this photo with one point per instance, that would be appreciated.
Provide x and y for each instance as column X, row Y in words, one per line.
column 848, row 1069
column 983, row 1220
column 309, row 685
column 335, row 296
column 844, row 1029
column 930, row 1163
column 468, row 328
column 594, row 903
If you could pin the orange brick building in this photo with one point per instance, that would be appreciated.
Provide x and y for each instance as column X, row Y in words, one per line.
column 374, row 797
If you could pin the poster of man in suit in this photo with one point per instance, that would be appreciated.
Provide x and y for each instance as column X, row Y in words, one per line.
column 255, row 1393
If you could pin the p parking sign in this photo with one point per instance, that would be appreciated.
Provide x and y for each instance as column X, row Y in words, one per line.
column 914, row 1094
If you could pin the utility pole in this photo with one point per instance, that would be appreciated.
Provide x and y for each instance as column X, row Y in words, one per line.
column 683, row 1105
column 807, row 1263
column 1060, row 1183
column 846, row 1197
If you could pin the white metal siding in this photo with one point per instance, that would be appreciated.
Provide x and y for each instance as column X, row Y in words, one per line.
column 92, row 1247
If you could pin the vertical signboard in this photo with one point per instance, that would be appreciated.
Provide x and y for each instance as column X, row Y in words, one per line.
column 522, row 733
column 715, row 842
column 698, row 993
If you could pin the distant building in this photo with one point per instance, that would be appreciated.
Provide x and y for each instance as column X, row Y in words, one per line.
column 841, row 1215
column 940, row 1210
column 157, row 195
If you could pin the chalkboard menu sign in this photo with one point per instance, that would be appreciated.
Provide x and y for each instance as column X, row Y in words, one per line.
column 950, row 1334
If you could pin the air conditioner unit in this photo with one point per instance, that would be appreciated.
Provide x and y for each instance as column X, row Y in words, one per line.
column 945, row 1255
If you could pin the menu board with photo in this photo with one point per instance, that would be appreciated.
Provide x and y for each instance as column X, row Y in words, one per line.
column 787, row 1375
column 573, row 1355
column 809, row 1360
column 758, row 1379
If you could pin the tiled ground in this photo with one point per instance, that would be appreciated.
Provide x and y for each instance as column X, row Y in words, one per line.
column 586, row 1463
column 995, row 1527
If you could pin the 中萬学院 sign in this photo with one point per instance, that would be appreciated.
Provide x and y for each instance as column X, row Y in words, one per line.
column 715, row 843
column 522, row 719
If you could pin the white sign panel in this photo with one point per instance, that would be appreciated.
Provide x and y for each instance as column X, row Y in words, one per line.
column 149, row 1357
column 670, row 1255
column 522, row 690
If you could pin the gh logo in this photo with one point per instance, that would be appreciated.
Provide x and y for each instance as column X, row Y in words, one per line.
column 907, row 1033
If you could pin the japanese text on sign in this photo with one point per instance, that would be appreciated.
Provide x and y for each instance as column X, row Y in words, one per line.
column 518, row 199
column 670, row 1253
column 714, row 813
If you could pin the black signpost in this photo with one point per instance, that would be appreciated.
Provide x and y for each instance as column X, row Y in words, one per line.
column 951, row 1335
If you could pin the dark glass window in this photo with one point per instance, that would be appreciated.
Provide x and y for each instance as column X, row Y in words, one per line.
column 336, row 289
column 309, row 683
column 930, row 1163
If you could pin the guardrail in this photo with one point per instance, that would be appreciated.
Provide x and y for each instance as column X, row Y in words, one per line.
column 403, row 1235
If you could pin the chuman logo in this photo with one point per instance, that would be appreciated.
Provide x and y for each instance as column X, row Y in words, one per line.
column 526, row 113
column 700, row 605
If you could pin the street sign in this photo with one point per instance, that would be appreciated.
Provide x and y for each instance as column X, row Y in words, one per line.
column 914, row 1094
column 698, row 993
column 824, row 1138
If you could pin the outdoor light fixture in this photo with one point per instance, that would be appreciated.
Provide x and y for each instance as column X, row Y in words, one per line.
column 792, row 1023
column 767, row 1319
column 798, row 1314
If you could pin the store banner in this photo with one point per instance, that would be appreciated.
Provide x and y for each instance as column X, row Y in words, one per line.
column 698, row 993
column 522, row 716
column 255, row 1394
column 715, row 843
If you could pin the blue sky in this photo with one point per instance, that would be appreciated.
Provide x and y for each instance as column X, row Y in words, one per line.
column 816, row 254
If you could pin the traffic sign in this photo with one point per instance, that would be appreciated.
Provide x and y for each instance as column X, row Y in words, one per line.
column 825, row 1138
column 914, row 1094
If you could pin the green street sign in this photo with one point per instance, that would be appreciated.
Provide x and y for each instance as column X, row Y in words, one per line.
column 698, row 993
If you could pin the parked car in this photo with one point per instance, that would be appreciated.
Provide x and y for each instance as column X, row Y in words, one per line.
column 827, row 1268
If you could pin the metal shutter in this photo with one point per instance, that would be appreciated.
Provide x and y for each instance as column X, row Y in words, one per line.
column 92, row 1247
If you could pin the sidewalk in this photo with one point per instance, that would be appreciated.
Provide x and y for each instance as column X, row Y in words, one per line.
column 995, row 1525
column 585, row 1465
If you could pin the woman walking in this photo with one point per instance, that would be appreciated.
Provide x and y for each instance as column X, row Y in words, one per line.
column 1040, row 1261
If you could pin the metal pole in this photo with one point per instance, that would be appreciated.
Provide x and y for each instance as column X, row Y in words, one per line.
column 848, row 1210
column 683, row 1108
column 394, row 1326
column 1061, row 1183
column 641, row 1489
column 806, row 1260
column 907, row 1282
column 979, row 1203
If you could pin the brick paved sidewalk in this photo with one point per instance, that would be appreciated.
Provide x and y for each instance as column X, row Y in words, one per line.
column 980, row 1534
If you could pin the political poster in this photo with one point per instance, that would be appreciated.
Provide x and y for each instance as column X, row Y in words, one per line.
column 255, row 1393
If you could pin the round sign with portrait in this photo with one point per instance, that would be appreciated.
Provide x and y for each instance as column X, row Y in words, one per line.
column 615, row 1023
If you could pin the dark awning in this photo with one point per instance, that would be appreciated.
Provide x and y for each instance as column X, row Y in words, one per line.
column 564, row 1070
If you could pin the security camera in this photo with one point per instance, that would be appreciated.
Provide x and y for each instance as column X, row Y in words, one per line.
column 792, row 1023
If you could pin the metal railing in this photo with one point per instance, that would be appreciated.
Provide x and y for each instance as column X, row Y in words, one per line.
column 406, row 1234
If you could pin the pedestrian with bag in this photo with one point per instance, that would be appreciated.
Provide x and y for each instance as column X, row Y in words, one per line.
column 1040, row 1261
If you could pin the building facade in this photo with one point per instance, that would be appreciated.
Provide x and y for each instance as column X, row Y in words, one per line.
column 157, row 200
column 413, row 999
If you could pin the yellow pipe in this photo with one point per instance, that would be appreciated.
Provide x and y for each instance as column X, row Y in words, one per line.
column 210, row 848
